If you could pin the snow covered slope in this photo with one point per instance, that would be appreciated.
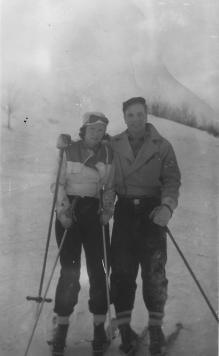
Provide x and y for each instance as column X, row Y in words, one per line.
column 25, row 207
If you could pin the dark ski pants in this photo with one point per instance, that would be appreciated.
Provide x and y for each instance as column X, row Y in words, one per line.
column 136, row 240
column 86, row 232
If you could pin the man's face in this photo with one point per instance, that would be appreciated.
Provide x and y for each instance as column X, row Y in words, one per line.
column 135, row 118
column 94, row 134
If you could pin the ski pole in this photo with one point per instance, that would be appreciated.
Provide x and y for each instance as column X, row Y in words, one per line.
column 45, row 294
column 39, row 299
column 39, row 311
column 107, row 283
column 192, row 274
column 106, row 269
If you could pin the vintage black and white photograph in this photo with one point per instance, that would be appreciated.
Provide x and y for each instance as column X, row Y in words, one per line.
column 109, row 207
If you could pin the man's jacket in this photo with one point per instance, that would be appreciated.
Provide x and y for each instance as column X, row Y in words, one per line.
column 154, row 172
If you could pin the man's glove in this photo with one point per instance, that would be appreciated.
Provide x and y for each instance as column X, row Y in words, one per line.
column 64, row 140
column 161, row 215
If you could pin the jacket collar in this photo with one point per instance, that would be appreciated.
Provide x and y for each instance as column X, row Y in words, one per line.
column 149, row 148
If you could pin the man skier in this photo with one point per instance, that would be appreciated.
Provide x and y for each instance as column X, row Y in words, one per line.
column 146, row 181
column 85, row 170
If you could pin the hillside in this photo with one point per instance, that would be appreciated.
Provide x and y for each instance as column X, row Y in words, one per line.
column 26, row 202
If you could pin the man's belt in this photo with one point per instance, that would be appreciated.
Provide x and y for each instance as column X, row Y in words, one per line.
column 136, row 200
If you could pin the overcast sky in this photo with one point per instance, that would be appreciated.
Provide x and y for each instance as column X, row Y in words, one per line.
column 87, row 36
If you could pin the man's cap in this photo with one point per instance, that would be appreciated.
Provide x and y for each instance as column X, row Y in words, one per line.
column 93, row 117
column 135, row 100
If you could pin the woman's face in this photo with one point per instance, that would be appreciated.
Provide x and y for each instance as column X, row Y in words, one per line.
column 94, row 134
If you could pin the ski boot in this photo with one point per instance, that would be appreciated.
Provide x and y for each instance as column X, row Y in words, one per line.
column 58, row 342
column 157, row 344
column 129, row 339
column 100, row 342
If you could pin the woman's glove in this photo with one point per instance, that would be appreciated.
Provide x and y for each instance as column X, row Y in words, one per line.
column 64, row 140
column 161, row 215
column 64, row 213
column 105, row 216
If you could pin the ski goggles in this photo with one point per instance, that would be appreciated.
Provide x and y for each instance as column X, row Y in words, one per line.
column 95, row 119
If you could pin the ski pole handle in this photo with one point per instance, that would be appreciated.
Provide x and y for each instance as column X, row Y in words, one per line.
column 64, row 140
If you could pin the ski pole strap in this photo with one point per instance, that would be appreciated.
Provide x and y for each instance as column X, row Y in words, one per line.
column 101, row 191
column 192, row 274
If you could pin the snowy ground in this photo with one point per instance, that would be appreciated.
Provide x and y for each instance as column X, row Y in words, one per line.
column 25, row 208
